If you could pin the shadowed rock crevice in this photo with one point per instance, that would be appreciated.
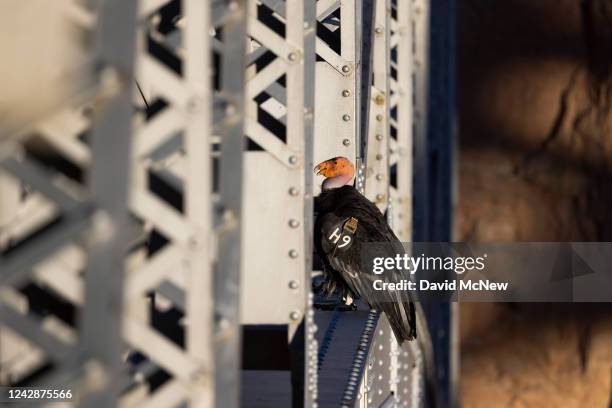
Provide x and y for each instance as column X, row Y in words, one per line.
column 535, row 101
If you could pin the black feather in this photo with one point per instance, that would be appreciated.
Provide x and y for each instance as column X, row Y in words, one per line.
column 334, row 207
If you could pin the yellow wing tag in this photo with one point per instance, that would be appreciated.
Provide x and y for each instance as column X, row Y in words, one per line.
column 351, row 225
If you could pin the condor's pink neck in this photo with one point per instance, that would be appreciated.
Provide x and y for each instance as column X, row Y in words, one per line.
column 337, row 182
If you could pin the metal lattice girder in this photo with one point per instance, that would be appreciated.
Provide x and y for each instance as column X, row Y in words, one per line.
column 186, row 165
column 377, row 151
column 276, row 250
column 337, row 86
column 189, row 143
column 401, row 115
column 420, row 23
column 53, row 214
column 389, row 184
column 409, row 369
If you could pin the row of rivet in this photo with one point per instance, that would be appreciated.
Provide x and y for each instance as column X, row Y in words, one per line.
column 329, row 334
column 313, row 346
column 352, row 387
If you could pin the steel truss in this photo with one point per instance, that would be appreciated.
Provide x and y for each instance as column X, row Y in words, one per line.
column 64, row 221
column 186, row 166
column 278, row 124
column 393, row 375
column 279, row 128
column 195, row 217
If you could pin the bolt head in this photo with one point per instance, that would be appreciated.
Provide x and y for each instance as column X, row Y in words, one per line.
column 293, row 254
column 293, row 159
column 379, row 156
column 194, row 243
column 379, row 177
column 194, row 104
column 346, row 68
column 346, row 142
column 230, row 109
column 346, row 93
column 223, row 324
column 378, row 30
column 379, row 137
column 379, row 117
column 295, row 315
column 294, row 284
column 293, row 191
column 292, row 56
column 346, row 117
column 293, row 223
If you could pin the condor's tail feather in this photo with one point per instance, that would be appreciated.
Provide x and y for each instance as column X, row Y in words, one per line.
column 402, row 319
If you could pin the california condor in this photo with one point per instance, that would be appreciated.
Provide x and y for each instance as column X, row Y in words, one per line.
column 346, row 221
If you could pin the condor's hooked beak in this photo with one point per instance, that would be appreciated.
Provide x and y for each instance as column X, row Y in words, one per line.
column 321, row 169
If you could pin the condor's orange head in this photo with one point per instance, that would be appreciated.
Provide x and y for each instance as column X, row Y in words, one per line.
column 338, row 172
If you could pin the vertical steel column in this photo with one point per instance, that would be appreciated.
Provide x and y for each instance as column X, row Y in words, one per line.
column 377, row 151
column 276, row 250
column 442, row 127
column 311, row 351
column 198, row 209
column 378, row 379
column 230, row 20
column 401, row 117
column 338, row 89
column 419, row 77
column 434, row 151
column 279, row 147
column 101, row 342
column 420, row 29
column 409, row 387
